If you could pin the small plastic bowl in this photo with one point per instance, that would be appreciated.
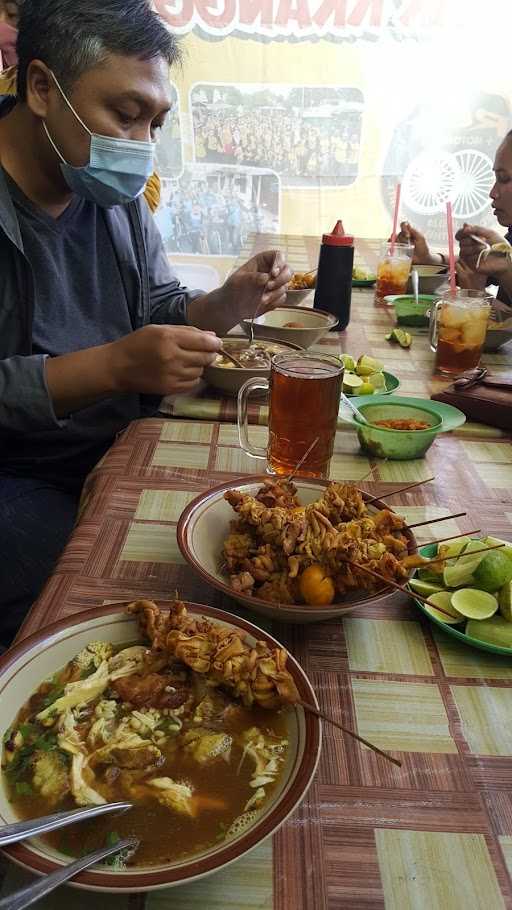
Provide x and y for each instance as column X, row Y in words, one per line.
column 397, row 445
column 410, row 313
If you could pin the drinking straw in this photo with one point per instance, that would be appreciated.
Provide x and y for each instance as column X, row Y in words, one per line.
column 451, row 250
column 395, row 216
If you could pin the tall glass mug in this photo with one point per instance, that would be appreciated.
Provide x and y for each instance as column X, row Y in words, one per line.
column 458, row 326
column 305, row 391
column 393, row 270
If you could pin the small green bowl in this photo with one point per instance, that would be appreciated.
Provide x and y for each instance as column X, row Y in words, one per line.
column 408, row 312
column 397, row 445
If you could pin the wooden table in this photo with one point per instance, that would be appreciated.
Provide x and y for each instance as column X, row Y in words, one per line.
column 435, row 833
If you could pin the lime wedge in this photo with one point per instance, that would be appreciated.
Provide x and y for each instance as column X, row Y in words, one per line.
column 351, row 382
column 494, row 571
column 453, row 549
column 378, row 381
column 446, row 613
column 431, row 575
column 474, row 604
column 365, row 389
column 495, row 631
column 505, row 601
column 425, row 588
column 348, row 362
column 367, row 365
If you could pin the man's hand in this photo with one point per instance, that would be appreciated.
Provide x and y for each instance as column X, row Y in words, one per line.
column 468, row 279
column 257, row 286
column 422, row 254
column 162, row 359
column 154, row 360
column 471, row 249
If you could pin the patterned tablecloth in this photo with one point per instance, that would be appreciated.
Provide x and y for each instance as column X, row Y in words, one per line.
column 435, row 834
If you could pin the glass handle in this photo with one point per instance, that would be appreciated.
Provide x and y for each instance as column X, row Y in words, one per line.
column 252, row 385
column 434, row 326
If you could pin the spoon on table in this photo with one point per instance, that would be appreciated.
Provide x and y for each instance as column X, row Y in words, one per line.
column 11, row 834
column 354, row 410
column 43, row 886
column 415, row 284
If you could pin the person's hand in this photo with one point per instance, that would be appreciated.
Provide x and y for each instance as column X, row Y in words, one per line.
column 422, row 254
column 467, row 279
column 471, row 249
column 162, row 359
column 258, row 285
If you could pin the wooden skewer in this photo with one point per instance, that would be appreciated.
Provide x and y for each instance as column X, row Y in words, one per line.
column 401, row 490
column 458, row 556
column 302, row 460
column 330, row 720
column 432, row 521
column 370, row 472
column 393, row 584
column 430, row 543
column 230, row 357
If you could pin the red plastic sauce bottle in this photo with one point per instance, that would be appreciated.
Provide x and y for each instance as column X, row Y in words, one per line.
column 334, row 278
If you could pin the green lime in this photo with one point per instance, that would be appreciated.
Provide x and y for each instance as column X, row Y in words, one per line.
column 425, row 588
column 348, row 362
column 365, row 389
column 494, row 541
column 474, row 604
column 445, row 613
column 378, row 381
column 367, row 365
column 505, row 601
column 351, row 383
column 494, row 570
column 496, row 631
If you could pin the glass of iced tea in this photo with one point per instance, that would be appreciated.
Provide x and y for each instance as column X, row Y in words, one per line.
column 305, row 391
column 393, row 270
column 458, row 325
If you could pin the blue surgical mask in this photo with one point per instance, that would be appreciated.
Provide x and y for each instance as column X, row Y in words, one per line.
column 117, row 171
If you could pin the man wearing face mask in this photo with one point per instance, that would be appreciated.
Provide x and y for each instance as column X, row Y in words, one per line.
column 92, row 319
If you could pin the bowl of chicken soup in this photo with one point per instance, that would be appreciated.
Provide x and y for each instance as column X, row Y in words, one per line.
column 115, row 702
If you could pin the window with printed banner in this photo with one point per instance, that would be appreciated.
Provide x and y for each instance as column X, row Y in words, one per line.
column 328, row 104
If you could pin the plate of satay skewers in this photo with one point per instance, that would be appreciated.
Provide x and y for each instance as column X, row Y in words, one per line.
column 298, row 551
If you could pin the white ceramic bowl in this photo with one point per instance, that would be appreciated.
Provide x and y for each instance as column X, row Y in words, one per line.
column 204, row 526
column 431, row 278
column 38, row 657
column 230, row 380
column 314, row 324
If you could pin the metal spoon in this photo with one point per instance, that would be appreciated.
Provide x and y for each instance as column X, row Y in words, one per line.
column 43, row 886
column 415, row 284
column 354, row 410
column 11, row 834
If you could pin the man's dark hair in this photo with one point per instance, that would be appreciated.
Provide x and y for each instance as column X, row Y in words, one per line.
column 72, row 36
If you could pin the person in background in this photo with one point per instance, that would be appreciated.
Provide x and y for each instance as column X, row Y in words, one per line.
column 9, row 11
column 94, row 326
column 472, row 273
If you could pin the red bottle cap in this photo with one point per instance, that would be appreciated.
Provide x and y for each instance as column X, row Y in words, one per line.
column 338, row 236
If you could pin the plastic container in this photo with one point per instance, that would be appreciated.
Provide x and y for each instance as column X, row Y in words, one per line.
column 334, row 278
column 410, row 313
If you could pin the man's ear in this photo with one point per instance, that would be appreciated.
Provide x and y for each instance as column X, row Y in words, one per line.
column 39, row 88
